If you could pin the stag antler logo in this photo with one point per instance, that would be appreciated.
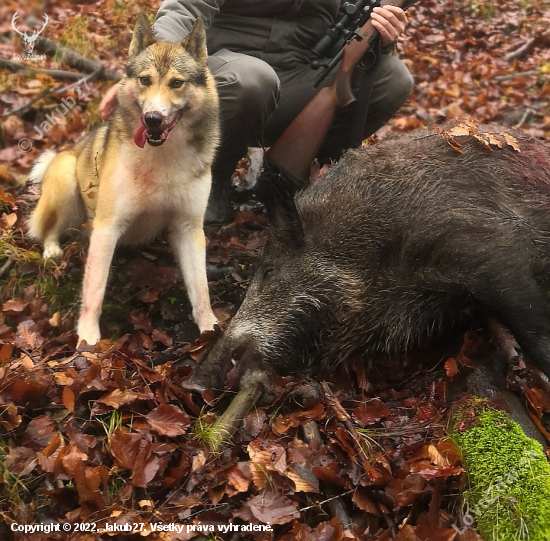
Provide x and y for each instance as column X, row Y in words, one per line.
column 29, row 41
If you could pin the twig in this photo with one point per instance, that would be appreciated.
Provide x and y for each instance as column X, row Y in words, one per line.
column 338, row 509
column 509, row 77
column 312, row 436
column 343, row 417
column 435, row 503
column 318, row 504
column 6, row 267
column 86, row 79
column 74, row 59
column 521, row 51
column 25, row 106
column 526, row 116
column 59, row 90
column 54, row 74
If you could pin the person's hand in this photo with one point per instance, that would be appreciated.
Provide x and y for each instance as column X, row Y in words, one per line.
column 108, row 103
column 390, row 21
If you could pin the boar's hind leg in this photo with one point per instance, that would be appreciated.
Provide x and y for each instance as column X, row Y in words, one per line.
column 521, row 305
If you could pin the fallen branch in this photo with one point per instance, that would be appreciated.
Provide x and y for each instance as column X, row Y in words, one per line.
column 6, row 267
column 518, row 53
column 338, row 509
column 252, row 386
column 527, row 115
column 25, row 106
column 54, row 74
column 312, row 436
column 510, row 76
column 318, row 504
column 59, row 90
column 509, row 487
column 75, row 60
column 90, row 77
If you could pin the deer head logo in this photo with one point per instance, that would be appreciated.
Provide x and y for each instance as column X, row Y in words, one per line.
column 29, row 40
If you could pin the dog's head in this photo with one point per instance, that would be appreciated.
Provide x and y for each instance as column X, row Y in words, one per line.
column 165, row 80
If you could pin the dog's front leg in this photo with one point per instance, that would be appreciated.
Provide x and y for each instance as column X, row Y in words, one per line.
column 189, row 245
column 100, row 254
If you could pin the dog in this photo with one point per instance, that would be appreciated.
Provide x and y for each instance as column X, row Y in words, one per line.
column 147, row 168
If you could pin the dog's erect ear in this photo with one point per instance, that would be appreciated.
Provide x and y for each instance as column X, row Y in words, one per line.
column 143, row 35
column 195, row 42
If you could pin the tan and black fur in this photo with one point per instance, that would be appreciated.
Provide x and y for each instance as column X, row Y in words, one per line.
column 145, row 169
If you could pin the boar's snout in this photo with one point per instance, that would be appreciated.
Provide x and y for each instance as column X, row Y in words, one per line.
column 227, row 360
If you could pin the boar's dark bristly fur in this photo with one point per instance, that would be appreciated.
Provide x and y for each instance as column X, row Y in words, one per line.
column 398, row 239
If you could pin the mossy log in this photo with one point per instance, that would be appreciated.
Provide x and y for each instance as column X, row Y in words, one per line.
column 252, row 385
column 508, row 492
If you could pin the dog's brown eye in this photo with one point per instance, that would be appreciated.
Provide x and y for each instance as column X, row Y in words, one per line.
column 145, row 81
column 176, row 83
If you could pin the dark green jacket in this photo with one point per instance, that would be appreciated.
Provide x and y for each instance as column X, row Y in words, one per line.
column 281, row 32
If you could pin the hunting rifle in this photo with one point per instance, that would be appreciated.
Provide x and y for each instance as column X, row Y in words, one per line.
column 293, row 153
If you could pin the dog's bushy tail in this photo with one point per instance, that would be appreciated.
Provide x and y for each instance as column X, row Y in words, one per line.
column 39, row 168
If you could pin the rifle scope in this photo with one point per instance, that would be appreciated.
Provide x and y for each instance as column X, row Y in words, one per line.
column 347, row 23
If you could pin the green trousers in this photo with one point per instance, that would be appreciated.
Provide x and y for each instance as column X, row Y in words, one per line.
column 258, row 102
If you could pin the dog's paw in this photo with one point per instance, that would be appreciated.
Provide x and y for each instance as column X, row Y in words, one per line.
column 53, row 251
column 89, row 333
column 207, row 322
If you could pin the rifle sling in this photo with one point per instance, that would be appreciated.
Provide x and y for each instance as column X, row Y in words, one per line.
column 366, row 68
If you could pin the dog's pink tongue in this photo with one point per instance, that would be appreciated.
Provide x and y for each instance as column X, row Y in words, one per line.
column 139, row 136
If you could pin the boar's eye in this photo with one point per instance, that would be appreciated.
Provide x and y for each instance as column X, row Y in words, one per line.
column 145, row 81
column 268, row 271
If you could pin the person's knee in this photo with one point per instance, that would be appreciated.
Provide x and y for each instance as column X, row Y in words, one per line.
column 259, row 88
column 248, row 85
column 396, row 82
column 403, row 84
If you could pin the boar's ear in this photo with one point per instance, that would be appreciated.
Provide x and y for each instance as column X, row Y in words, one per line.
column 195, row 42
column 276, row 189
column 143, row 35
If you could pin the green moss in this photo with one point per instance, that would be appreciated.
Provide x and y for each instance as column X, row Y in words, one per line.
column 509, row 475
column 38, row 273
column 60, row 294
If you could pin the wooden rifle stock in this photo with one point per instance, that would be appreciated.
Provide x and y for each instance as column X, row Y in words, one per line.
column 299, row 144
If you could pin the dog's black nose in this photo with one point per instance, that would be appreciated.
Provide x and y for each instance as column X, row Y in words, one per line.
column 153, row 120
